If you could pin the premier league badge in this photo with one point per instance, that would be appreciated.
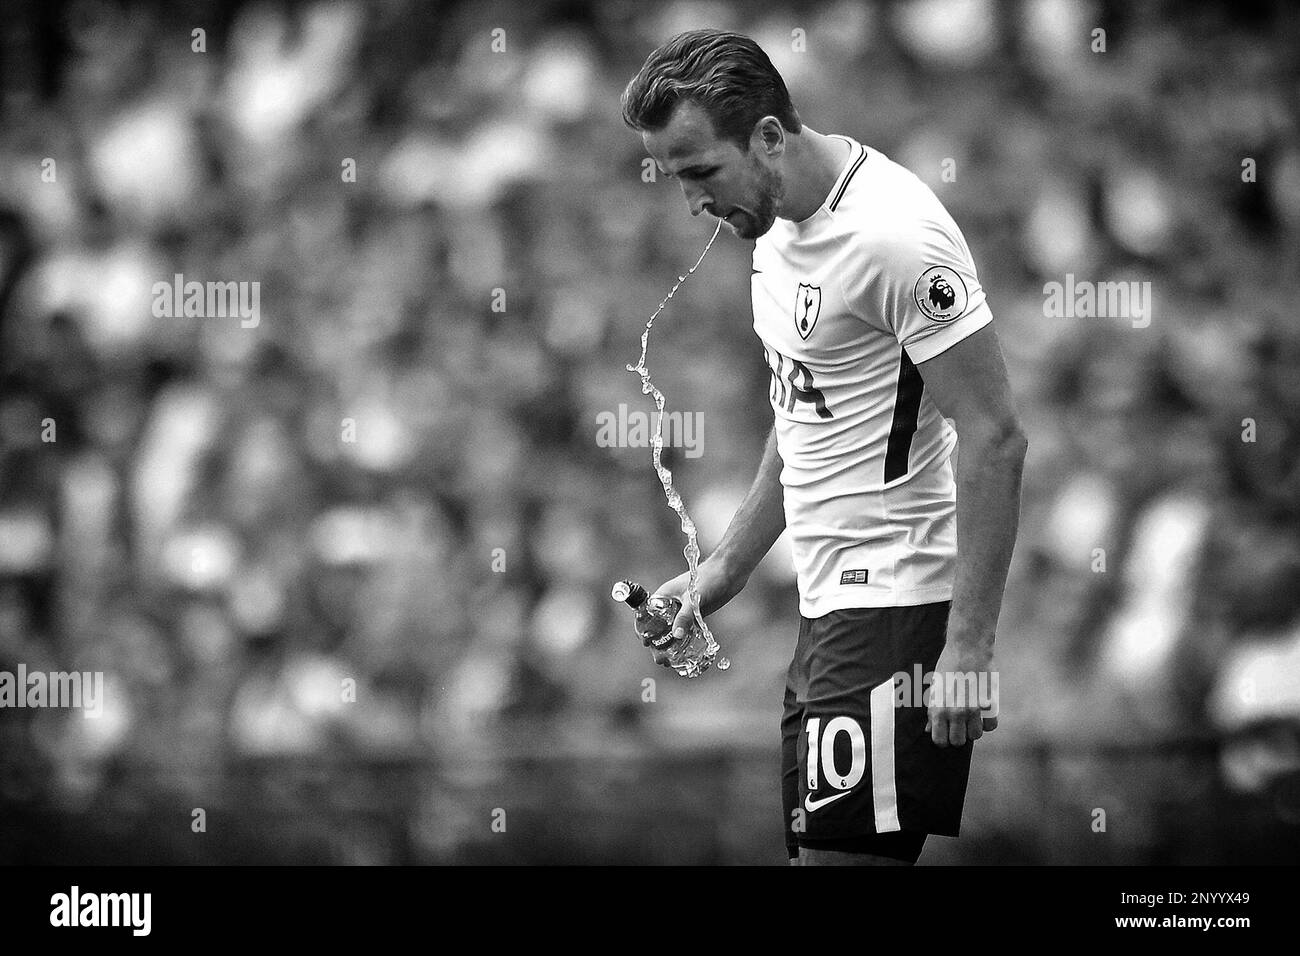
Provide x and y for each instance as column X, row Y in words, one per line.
column 941, row 294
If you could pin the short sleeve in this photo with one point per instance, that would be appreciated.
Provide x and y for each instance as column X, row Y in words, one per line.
column 920, row 284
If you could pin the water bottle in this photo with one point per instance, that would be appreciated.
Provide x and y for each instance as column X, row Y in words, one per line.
column 689, row 655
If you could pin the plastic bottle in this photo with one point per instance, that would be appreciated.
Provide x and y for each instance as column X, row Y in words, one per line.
column 687, row 655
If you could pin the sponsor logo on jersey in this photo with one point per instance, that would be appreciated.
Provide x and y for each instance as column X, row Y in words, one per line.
column 807, row 306
column 941, row 294
column 853, row 577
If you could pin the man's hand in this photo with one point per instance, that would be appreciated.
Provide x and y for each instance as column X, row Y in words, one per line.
column 715, row 590
column 963, row 699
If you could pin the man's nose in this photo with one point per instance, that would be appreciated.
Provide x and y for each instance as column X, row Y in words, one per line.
column 696, row 198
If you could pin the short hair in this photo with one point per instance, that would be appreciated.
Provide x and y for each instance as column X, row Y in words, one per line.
column 727, row 74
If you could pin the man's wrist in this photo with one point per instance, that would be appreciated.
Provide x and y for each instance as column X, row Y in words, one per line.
column 973, row 650
column 726, row 579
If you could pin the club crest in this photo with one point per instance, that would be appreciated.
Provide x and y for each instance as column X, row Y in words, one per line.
column 807, row 307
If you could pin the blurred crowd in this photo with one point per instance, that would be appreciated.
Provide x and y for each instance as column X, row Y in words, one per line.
column 374, row 532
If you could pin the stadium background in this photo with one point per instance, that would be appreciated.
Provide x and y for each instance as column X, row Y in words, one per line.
column 200, row 531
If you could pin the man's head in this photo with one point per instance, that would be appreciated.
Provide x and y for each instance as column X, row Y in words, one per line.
column 713, row 111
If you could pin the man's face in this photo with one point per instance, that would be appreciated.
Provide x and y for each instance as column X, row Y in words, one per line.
column 743, row 187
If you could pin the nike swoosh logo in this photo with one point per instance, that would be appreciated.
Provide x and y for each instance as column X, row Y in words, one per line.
column 810, row 804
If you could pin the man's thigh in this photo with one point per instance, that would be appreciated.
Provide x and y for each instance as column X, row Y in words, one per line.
column 857, row 762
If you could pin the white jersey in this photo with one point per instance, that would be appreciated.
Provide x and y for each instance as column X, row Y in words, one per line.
column 847, row 303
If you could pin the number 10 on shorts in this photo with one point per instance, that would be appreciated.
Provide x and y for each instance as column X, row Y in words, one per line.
column 821, row 744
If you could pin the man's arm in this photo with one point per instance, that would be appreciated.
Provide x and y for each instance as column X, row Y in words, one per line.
column 757, row 524
column 968, row 383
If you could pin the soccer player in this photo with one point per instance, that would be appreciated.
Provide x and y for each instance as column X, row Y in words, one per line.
column 876, row 330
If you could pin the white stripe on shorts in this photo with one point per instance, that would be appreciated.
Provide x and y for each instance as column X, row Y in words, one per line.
column 884, row 795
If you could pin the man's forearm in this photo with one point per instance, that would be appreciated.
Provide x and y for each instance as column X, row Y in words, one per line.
column 757, row 524
column 989, row 467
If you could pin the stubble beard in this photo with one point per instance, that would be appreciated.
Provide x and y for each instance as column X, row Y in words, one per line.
column 771, row 192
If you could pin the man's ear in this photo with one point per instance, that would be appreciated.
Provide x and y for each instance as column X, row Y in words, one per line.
column 769, row 136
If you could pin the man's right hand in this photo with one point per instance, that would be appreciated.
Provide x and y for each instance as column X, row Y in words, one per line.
column 714, row 590
column 753, row 530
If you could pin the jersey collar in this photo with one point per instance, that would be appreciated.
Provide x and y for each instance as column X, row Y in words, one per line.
column 857, row 156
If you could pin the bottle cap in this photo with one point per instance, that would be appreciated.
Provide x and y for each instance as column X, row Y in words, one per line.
column 629, row 592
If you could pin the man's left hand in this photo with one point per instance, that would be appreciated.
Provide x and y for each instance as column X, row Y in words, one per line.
column 962, row 703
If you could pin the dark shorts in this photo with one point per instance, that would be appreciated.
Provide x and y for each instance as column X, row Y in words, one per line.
column 873, row 768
